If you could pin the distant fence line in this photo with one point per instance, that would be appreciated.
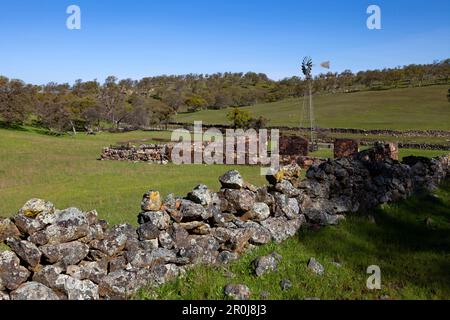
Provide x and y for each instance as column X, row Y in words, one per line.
column 406, row 133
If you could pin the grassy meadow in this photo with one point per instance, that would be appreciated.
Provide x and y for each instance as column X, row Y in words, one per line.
column 65, row 170
column 401, row 109
column 414, row 259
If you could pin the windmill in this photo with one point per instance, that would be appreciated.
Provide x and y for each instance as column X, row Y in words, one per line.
column 308, row 107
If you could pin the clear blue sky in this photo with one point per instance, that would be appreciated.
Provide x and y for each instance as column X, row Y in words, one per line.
column 137, row 38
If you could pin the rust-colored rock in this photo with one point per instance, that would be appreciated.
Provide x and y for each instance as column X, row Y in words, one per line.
column 344, row 148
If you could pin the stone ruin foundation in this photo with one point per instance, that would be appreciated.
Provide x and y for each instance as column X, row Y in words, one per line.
column 70, row 254
column 291, row 149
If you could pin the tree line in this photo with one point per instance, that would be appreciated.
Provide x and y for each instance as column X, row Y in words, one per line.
column 86, row 105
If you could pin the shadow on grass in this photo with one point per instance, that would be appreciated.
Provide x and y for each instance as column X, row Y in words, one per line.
column 34, row 129
column 409, row 251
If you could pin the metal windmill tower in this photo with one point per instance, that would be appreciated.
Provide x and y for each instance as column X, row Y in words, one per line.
column 308, row 107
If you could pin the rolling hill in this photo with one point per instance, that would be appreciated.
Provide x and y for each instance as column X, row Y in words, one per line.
column 418, row 108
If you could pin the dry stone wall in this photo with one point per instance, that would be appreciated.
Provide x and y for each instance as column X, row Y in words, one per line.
column 70, row 254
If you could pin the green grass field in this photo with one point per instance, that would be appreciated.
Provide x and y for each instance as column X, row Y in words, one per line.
column 65, row 171
column 401, row 109
column 414, row 259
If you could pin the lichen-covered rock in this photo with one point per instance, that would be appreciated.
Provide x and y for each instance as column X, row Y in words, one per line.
column 34, row 207
column 160, row 274
column 232, row 180
column 225, row 257
column 95, row 232
column 200, row 250
column 122, row 284
column 201, row 195
column 7, row 229
column 239, row 201
column 281, row 228
column 12, row 274
column 69, row 225
column 285, row 284
column 260, row 235
column 287, row 188
column 151, row 201
column 147, row 231
column 237, row 291
column 285, row 206
column 80, row 289
column 89, row 270
column 158, row 218
column 240, row 240
column 196, row 227
column 265, row 264
column 315, row 266
column 48, row 275
column 170, row 202
column 291, row 172
column 146, row 259
column 259, row 212
column 115, row 239
column 26, row 250
column 165, row 240
column 27, row 226
column 191, row 211
column 263, row 195
column 179, row 235
column 33, row 291
column 4, row 296
column 67, row 253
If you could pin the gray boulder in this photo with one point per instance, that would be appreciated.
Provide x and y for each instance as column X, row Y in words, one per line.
column 48, row 275
column 12, row 274
column 281, row 228
column 115, row 239
column 67, row 253
column 239, row 201
column 191, row 211
column 33, row 291
column 7, row 229
column 237, row 291
column 69, row 225
column 259, row 211
column 158, row 218
column 147, row 231
column 80, row 289
column 265, row 264
column 34, row 207
column 89, row 270
column 26, row 250
column 151, row 201
column 201, row 195
column 315, row 266
column 232, row 180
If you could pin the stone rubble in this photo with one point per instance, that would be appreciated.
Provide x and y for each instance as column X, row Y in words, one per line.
column 70, row 254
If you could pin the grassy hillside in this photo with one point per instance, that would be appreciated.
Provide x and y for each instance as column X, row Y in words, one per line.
column 414, row 259
column 401, row 109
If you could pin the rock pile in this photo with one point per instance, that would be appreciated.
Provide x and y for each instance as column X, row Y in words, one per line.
column 152, row 153
column 349, row 185
column 70, row 254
